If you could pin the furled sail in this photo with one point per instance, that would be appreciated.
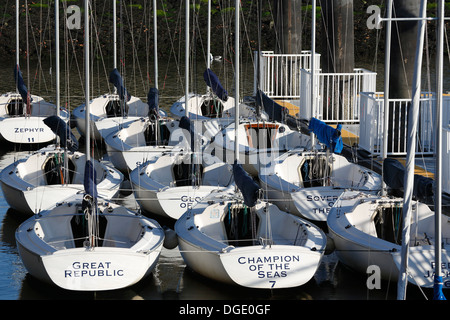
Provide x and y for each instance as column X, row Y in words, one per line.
column 63, row 131
column 213, row 82
column 116, row 79
column 249, row 188
column 90, row 178
column 153, row 103
column 394, row 174
column 275, row 111
column 21, row 84
column 327, row 135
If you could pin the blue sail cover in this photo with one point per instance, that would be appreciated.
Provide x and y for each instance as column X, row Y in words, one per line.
column 275, row 111
column 116, row 79
column 213, row 82
column 90, row 177
column 249, row 188
column 328, row 135
column 21, row 84
column 153, row 102
column 63, row 131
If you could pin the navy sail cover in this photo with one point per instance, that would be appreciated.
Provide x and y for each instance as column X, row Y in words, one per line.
column 249, row 188
column 21, row 84
column 90, row 178
column 275, row 111
column 394, row 177
column 116, row 80
column 63, row 131
column 185, row 123
column 213, row 82
column 327, row 135
column 153, row 102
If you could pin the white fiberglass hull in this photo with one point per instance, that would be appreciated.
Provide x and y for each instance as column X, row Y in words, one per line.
column 28, row 189
column 51, row 256
column 30, row 128
column 358, row 241
column 259, row 143
column 129, row 147
column 288, row 262
column 98, row 108
column 170, row 202
column 308, row 184
column 158, row 190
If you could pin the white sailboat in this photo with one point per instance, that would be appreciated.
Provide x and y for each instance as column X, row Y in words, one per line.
column 50, row 175
column 148, row 136
column 170, row 184
column 22, row 114
column 398, row 235
column 306, row 183
column 250, row 244
column 55, row 247
column 259, row 142
column 366, row 230
column 86, row 243
column 140, row 141
column 110, row 111
column 54, row 173
column 215, row 106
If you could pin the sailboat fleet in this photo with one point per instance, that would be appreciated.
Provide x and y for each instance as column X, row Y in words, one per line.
column 256, row 201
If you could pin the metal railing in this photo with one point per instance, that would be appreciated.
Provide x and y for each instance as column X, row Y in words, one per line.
column 337, row 95
column 280, row 73
column 372, row 128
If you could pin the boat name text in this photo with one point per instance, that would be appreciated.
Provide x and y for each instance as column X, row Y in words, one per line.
column 28, row 130
column 269, row 267
column 92, row 269
column 188, row 201
column 330, row 199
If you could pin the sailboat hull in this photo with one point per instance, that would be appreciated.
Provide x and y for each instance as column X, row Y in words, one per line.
column 128, row 252
column 171, row 202
column 288, row 262
column 28, row 129
column 33, row 184
column 308, row 184
column 98, row 269
column 359, row 243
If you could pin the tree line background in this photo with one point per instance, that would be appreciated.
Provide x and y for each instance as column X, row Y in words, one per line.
column 135, row 25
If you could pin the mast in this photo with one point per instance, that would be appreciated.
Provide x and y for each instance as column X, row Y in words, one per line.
column 186, row 59
column 17, row 35
column 57, row 53
column 438, row 294
column 387, row 68
column 313, row 66
column 155, row 40
column 115, row 33
column 236, row 93
column 410, row 157
column 208, row 42
column 155, row 36
column 87, row 71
